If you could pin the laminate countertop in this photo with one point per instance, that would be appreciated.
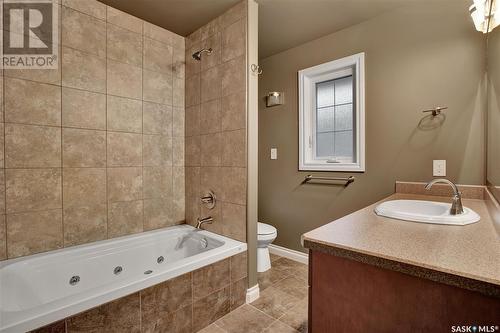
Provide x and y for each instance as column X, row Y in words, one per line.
column 463, row 256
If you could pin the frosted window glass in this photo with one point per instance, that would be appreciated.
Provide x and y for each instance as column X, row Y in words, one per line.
column 343, row 117
column 325, row 121
column 343, row 90
column 324, row 144
column 344, row 144
column 325, row 93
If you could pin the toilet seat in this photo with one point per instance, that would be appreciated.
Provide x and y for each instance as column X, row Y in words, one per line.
column 265, row 229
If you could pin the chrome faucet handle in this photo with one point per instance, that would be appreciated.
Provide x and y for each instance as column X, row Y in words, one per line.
column 456, row 205
column 209, row 200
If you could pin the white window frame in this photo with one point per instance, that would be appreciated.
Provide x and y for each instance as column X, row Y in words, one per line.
column 307, row 112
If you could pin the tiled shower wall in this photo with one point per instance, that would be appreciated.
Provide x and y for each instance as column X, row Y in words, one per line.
column 94, row 149
column 216, row 123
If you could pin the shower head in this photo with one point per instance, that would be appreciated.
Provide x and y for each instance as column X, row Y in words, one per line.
column 197, row 55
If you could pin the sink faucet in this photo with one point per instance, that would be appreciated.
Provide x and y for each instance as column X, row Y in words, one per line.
column 456, row 206
column 206, row 220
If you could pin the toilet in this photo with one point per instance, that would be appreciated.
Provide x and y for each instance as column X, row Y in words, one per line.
column 266, row 234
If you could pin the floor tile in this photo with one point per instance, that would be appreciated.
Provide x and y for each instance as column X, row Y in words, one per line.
column 212, row 329
column 245, row 319
column 296, row 317
column 270, row 277
column 279, row 327
column 293, row 286
column 275, row 302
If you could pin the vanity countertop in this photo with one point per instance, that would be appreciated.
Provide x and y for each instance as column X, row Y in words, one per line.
column 463, row 256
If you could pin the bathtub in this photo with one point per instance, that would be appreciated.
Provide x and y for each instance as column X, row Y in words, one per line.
column 43, row 288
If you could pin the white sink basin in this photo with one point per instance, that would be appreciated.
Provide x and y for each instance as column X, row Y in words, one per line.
column 425, row 212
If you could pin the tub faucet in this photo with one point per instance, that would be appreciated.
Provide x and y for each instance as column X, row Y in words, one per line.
column 206, row 220
column 456, row 206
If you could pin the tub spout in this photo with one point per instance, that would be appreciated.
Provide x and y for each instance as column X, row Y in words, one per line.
column 206, row 220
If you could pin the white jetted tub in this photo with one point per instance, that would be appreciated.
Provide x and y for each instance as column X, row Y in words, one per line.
column 47, row 287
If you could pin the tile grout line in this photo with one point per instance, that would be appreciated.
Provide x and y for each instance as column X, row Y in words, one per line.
column 4, row 164
column 106, row 123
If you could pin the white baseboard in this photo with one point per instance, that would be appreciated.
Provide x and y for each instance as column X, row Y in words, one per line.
column 253, row 294
column 290, row 254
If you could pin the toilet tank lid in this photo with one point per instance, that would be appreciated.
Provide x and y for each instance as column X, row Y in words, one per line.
column 265, row 229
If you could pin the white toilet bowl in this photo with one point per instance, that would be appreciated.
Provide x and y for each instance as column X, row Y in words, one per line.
column 266, row 234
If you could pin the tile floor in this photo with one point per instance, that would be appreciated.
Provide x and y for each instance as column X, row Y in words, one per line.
column 281, row 308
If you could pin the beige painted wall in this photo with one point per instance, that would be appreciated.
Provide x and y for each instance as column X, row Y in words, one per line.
column 416, row 57
column 493, row 145
column 94, row 149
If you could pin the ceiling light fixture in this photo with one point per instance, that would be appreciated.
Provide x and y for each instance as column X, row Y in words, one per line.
column 485, row 15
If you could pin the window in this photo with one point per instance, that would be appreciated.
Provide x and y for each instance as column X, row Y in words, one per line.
column 331, row 121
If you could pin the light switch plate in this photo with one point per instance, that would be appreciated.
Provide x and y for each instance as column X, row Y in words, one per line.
column 439, row 168
column 274, row 153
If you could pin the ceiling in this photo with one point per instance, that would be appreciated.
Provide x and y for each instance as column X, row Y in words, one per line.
column 283, row 24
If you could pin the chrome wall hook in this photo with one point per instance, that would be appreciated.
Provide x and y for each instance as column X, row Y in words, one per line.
column 256, row 69
column 436, row 111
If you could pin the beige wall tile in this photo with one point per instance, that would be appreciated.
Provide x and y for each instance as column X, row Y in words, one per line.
column 2, row 146
column 193, row 38
column 124, row 184
column 83, row 32
column 193, row 121
column 179, row 190
column 211, row 278
column 2, row 192
column 178, row 151
column 157, row 213
column 157, row 119
column 178, row 129
column 233, row 111
column 235, row 13
column 29, row 146
column 234, row 222
column 34, row 232
column 33, row 189
column 84, row 148
column 124, row 149
column 3, row 238
column 210, row 28
column 192, row 153
column 157, row 87
column 83, row 109
column 85, row 224
column 157, row 150
column 239, row 293
column 211, row 84
column 234, row 148
column 193, row 90
column 214, row 59
column 234, row 41
column 238, row 266
column 32, row 103
column 124, row 114
column 178, row 91
column 157, row 182
column 179, row 61
column 124, row 80
column 211, row 308
column 83, row 187
column 210, row 180
column 210, row 117
column 211, row 149
column 124, row 20
column 158, row 56
column 233, row 76
column 234, row 185
column 155, row 32
column 125, row 218
column 90, row 7
column 83, row 71
column 124, row 45
column 164, row 298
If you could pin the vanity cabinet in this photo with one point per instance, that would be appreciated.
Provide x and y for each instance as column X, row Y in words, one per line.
column 347, row 295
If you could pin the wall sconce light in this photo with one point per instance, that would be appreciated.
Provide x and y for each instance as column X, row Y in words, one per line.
column 485, row 15
column 275, row 98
